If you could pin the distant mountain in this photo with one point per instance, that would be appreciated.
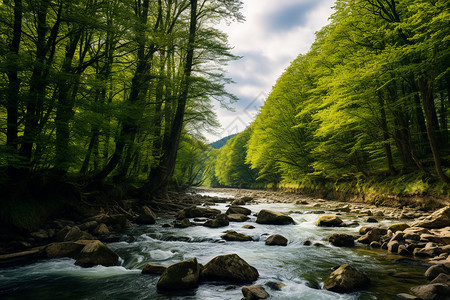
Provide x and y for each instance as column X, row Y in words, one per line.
column 220, row 143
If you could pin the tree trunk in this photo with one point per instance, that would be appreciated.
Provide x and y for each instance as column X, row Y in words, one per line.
column 14, row 81
column 386, row 144
column 426, row 88
column 168, row 160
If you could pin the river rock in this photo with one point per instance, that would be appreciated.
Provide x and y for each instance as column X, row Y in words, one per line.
column 96, row 253
column 150, row 268
column 442, row 278
column 392, row 246
column 89, row 225
column 146, row 216
column 180, row 276
column 65, row 249
column 434, row 291
column 238, row 210
column 237, row 218
column 373, row 234
column 438, row 219
column 404, row 296
column 101, row 229
column 195, row 211
column 365, row 229
column 346, row 279
column 329, row 221
column 75, row 234
column 342, row 240
column 238, row 202
column 184, row 223
column 232, row 235
column 274, row 218
column 220, row 220
column 371, row 220
column 248, row 226
column 433, row 271
column 375, row 244
column 254, row 292
column 229, row 268
column 276, row 240
column 398, row 227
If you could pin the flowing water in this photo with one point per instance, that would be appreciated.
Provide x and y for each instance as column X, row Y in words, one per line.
column 301, row 268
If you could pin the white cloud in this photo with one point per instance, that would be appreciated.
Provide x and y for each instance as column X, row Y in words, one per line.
column 271, row 37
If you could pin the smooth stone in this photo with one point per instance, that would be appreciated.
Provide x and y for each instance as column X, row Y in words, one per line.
column 342, row 240
column 254, row 292
column 180, row 276
column 150, row 268
column 274, row 218
column 346, row 279
column 230, row 268
column 276, row 240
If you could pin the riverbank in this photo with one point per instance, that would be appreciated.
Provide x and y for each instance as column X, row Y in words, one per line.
column 302, row 265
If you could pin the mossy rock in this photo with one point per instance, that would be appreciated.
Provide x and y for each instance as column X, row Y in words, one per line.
column 180, row 276
column 398, row 227
column 329, row 221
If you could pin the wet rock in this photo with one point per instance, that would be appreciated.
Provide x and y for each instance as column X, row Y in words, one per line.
column 307, row 243
column 415, row 230
column 75, row 234
column 274, row 218
column 238, row 202
column 276, row 286
column 150, row 268
column 443, row 240
column 254, row 292
column 403, row 250
column 195, row 211
column 430, row 250
column 220, row 220
column 437, row 291
column 96, row 253
column 90, row 225
column 238, row 210
column 342, row 240
column 375, row 244
column 398, row 227
column 248, row 227
column 65, row 249
column 276, row 240
column 405, row 296
column 392, row 246
column 237, row 218
column 184, row 223
column 230, row 268
column 438, row 219
column 111, row 237
column 101, row 229
column 346, row 279
column 180, row 276
column 398, row 236
column 434, row 271
column 166, row 225
column 442, row 278
column 371, row 220
column 365, row 229
column 372, row 234
column 232, row 235
column 329, row 221
column 146, row 216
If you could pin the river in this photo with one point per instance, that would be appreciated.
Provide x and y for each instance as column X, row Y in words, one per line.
column 302, row 269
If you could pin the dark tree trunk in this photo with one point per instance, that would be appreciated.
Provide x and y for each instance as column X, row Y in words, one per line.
column 426, row 88
column 168, row 160
column 386, row 144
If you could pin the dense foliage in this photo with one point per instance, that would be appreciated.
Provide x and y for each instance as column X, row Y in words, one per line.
column 93, row 88
column 369, row 100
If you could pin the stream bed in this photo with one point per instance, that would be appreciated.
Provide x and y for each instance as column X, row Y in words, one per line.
column 302, row 269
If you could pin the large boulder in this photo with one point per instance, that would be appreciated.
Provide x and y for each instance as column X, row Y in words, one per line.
column 195, row 211
column 230, row 268
column 150, row 268
column 220, row 220
column 254, row 292
column 434, row 291
column 232, row 235
column 96, row 253
column 180, row 276
column 438, row 219
column 346, row 279
column 234, row 209
column 275, row 218
column 237, row 218
column 342, row 240
column 146, row 216
column 329, row 221
column 276, row 240
column 65, row 249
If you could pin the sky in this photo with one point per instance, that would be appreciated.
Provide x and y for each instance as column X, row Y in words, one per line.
column 273, row 34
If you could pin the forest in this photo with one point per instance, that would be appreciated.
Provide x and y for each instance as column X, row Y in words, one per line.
column 364, row 111
column 96, row 92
